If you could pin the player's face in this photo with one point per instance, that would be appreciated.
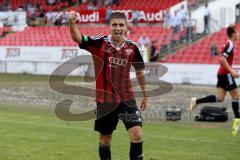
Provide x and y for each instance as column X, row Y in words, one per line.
column 118, row 29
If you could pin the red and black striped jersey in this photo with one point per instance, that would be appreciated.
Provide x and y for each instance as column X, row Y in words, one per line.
column 112, row 67
column 228, row 53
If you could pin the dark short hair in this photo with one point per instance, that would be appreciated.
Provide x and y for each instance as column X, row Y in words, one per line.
column 117, row 15
column 231, row 30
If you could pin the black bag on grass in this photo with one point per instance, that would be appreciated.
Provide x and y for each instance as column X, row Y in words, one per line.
column 173, row 114
column 212, row 114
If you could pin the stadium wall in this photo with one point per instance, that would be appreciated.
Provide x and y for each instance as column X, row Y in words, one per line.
column 203, row 74
column 200, row 74
column 44, row 60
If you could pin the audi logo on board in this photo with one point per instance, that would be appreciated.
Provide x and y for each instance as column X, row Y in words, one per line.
column 117, row 61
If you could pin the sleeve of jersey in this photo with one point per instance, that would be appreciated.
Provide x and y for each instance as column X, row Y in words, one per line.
column 90, row 44
column 138, row 62
column 227, row 50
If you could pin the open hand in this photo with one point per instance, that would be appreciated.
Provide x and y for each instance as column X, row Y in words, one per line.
column 235, row 74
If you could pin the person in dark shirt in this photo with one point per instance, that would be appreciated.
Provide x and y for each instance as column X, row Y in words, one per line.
column 153, row 54
column 214, row 51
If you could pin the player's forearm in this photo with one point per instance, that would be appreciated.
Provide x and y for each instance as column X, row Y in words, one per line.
column 75, row 34
column 226, row 65
column 142, row 82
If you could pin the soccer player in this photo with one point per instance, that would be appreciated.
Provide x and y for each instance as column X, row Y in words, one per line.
column 117, row 54
column 226, row 82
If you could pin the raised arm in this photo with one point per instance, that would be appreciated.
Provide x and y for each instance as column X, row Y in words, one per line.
column 75, row 34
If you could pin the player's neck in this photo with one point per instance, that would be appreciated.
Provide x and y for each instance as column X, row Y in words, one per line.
column 117, row 43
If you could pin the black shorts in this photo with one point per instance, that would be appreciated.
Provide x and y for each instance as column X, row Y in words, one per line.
column 226, row 82
column 129, row 114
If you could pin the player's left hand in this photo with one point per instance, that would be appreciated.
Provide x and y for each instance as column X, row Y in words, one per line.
column 144, row 104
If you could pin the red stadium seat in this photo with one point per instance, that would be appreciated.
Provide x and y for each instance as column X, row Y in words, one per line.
column 60, row 36
column 201, row 50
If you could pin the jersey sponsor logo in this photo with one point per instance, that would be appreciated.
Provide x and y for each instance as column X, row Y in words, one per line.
column 12, row 52
column 114, row 62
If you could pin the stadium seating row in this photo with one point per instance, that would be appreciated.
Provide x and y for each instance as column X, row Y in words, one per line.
column 200, row 52
column 146, row 4
column 138, row 5
column 15, row 4
column 4, row 29
column 126, row 4
column 59, row 36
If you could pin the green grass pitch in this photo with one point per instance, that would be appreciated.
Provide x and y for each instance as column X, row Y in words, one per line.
column 31, row 134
